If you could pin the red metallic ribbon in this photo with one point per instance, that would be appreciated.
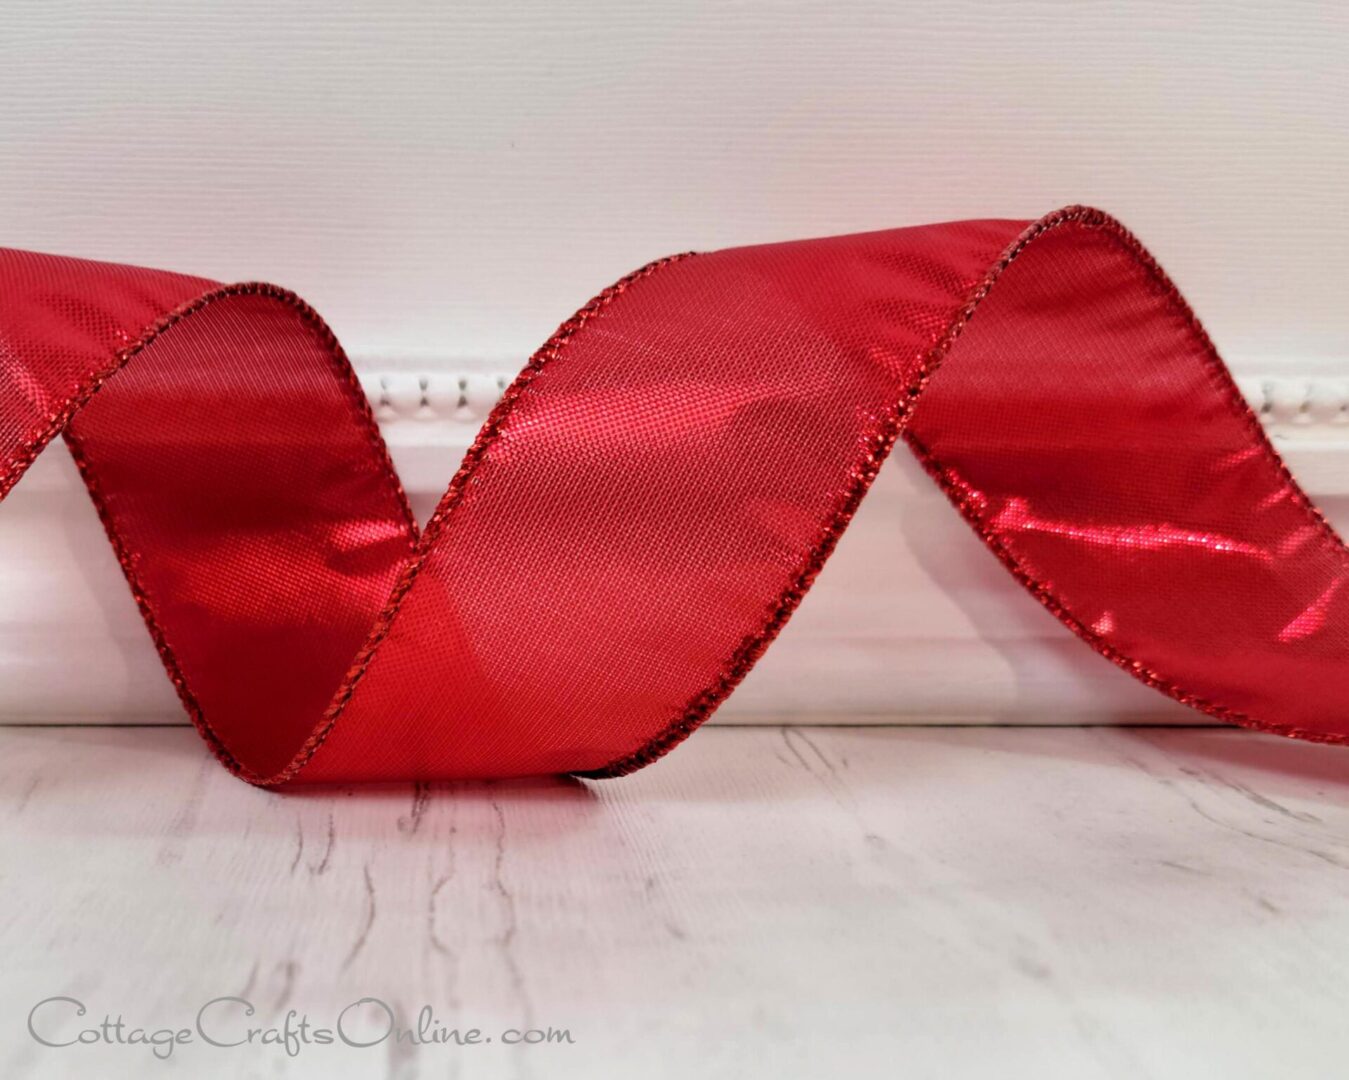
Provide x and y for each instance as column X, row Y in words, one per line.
column 655, row 493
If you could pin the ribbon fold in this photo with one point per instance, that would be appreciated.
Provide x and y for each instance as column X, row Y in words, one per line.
column 656, row 491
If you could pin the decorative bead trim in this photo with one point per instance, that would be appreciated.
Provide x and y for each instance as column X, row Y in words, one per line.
column 462, row 394
column 1283, row 401
column 429, row 396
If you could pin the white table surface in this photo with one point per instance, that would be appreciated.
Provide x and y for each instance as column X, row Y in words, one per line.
column 888, row 902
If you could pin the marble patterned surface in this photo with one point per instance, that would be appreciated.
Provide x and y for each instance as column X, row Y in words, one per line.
column 778, row 902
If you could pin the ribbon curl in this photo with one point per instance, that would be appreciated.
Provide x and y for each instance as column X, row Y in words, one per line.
column 655, row 493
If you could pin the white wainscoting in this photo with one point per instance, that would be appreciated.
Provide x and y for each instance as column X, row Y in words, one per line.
column 912, row 621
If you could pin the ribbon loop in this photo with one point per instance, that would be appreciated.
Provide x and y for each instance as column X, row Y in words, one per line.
column 655, row 493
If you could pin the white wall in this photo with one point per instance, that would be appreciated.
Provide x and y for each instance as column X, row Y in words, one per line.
column 457, row 178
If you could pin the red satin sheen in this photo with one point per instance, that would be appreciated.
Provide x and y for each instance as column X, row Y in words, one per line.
column 657, row 490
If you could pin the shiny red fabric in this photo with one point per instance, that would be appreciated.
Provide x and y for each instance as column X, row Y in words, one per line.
column 656, row 491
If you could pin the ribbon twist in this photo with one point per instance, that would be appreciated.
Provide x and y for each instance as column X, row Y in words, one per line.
column 656, row 491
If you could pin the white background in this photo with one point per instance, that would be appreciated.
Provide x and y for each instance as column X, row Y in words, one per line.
column 455, row 179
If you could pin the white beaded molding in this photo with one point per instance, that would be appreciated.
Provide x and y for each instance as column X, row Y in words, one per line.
column 1284, row 401
column 462, row 396
column 954, row 630
column 429, row 410
column 468, row 396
